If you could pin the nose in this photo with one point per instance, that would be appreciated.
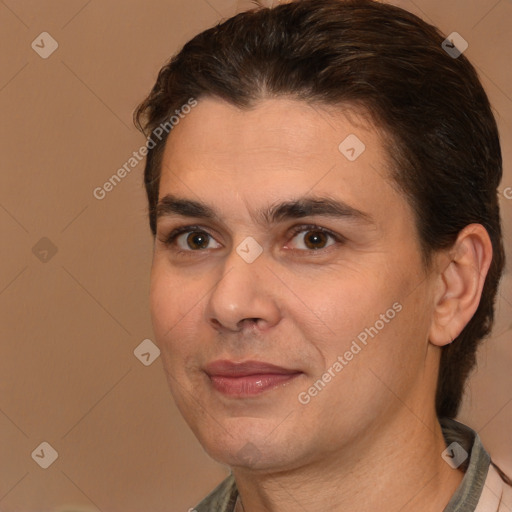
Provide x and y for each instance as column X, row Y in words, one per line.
column 244, row 297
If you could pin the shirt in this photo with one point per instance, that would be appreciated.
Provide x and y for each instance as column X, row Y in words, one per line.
column 481, row 489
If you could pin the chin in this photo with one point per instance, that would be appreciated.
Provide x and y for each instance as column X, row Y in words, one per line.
column 249, row 448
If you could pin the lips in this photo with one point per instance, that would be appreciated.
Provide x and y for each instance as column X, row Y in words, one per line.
column 231, row 369
column 248, row 378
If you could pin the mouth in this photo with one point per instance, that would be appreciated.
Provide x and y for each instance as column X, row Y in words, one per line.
column 248, row 378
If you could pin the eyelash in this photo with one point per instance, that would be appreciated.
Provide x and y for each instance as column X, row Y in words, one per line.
column 170, row 239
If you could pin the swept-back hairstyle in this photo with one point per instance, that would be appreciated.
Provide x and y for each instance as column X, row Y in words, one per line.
column 441, row 136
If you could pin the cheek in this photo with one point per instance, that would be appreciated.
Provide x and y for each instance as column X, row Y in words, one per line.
column 346, row 301
column 171, row 301
column 366, row 315
column 162, row 304
column 172, row 294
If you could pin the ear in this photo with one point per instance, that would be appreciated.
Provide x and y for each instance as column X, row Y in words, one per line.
column 460, row 284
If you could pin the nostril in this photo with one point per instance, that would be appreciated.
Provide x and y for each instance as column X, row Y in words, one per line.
column 251, row 321
column 215, row 322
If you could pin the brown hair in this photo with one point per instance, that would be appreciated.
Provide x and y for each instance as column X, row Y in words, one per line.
column 442, row 137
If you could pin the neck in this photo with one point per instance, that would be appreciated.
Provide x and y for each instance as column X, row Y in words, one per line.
column 400, row 468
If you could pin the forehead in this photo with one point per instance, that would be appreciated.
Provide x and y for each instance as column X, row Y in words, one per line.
column 278, row 149
column 285, row 126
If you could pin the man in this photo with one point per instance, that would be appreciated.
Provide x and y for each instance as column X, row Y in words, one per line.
column 327, row 253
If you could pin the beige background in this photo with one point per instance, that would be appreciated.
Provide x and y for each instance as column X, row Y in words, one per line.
column 69, row 325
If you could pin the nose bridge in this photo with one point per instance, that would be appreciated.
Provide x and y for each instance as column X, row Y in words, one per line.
column 242, row 292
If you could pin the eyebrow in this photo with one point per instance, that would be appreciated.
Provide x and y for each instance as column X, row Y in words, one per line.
column 171, row 205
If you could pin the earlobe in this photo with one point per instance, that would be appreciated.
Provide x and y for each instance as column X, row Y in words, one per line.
column 460, row 284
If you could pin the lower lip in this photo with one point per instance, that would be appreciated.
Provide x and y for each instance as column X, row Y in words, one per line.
column 250, row 385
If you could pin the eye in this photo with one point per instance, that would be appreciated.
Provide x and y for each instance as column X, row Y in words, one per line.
column 190, row 239
column 314, row 237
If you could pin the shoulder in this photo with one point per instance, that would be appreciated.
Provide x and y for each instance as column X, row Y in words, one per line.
column 497, row 492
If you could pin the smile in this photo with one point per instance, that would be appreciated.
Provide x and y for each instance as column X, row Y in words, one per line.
column 249, row 378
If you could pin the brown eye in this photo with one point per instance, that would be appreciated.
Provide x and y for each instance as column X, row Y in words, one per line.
column 190, row 239
column 197, row 240
column 311, row 238
column 315, row 239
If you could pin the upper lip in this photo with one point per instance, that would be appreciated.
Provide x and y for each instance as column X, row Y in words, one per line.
column 226, row 368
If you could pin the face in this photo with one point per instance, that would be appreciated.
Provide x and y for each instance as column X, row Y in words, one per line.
column 288, row 295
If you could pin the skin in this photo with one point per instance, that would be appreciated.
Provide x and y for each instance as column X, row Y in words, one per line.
column 370, row 440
